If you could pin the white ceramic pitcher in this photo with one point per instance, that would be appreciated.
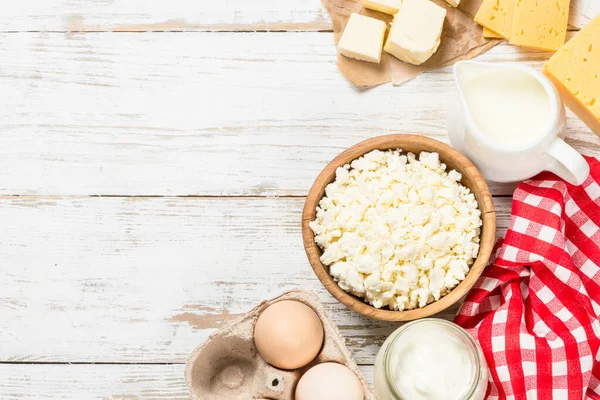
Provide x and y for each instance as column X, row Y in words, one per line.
column 510, row 163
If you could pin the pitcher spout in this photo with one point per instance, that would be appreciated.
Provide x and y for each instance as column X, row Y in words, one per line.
column 505, row 118
column 464, row 71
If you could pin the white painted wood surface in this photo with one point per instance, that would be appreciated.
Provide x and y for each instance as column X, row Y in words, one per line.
column 147, row 279
column 220, row 114
column 189, row 15
column 108, row 382
column 138, row 173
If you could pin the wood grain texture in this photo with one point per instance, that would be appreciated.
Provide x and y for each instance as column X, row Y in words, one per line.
column 189, row 15
column 144, row 280
column 148, row 279
column 106, row 382
column 211, row 114
column 415, row 144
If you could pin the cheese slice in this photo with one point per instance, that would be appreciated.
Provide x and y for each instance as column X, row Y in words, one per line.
column 416, row 31
column 385, row 6
column 453, row 3
column 575, row 70
column 363, row 38
column 490, row 34
column 540, row 24
column 497, row 16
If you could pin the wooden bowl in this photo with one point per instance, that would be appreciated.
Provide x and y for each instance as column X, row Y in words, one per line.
column 471, row 178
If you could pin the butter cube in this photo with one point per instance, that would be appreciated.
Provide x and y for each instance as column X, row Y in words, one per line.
column 540, row 24
column 416, row 31
column 575, row 70
column 362, row 38
column 496, row 16
column 385, row 6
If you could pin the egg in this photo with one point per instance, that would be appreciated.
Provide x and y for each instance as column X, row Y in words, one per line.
column 288, row 334
column 329, row 381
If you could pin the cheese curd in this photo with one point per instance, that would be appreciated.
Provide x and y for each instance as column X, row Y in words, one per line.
column 397, row 231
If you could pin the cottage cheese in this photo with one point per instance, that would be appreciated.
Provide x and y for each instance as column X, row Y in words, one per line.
column 396, row 230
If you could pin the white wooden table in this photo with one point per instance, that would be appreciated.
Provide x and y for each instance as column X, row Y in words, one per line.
column 154, row 158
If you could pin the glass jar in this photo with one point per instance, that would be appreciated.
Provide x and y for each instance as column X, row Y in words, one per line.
column 435, row 346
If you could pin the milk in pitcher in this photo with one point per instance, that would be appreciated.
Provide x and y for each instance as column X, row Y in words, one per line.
column 510, row 121
column 509, row 107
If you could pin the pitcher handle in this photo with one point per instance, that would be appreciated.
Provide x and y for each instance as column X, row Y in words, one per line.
column 567, row 163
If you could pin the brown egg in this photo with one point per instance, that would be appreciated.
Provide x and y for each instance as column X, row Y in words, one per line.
column 288, row 334
column 329, row 381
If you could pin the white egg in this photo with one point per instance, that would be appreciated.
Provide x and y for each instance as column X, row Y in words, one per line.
column 329, row 381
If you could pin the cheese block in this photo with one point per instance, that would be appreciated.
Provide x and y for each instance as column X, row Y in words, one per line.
column 540, row 24
column 575, row 70
column 385, row 6
column 490, row 34
column 416, row 31
column 496, row 16
column 453, row 3
column 363, row 38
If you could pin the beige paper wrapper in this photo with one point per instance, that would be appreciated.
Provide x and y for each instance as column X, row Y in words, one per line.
column 462, row 39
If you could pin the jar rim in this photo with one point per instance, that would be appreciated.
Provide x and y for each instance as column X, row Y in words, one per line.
column 447, row 324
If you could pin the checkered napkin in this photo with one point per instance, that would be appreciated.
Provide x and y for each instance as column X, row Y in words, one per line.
column 535, row 309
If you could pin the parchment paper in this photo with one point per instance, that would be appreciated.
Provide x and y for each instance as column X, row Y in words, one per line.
column 462, row 39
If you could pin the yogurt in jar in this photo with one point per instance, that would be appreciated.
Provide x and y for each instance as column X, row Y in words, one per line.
column 430, row 359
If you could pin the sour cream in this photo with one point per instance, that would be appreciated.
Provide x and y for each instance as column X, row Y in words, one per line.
column 430, row 359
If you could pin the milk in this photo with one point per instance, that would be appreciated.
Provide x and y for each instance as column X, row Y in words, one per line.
column 510, row 121
column 509, row 107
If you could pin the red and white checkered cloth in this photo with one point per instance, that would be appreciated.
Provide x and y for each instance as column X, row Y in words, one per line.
column 535, row 309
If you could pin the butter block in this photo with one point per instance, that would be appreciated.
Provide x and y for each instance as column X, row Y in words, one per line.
column 416, row 31
column 363, row 38
column 490, row 34
column 385, row 6
column 453, row 3
column 540, row 24
column 496, row 16
column 575, row 70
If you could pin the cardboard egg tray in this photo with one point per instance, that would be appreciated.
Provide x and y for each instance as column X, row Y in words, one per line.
column 228, row 367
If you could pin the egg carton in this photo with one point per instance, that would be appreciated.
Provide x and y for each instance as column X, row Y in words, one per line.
column 228, row 367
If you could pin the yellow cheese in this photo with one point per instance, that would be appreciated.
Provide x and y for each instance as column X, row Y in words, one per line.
column 490, row 34
column 385, row 6
column 497, row 16
column 541, row 24
column 363, row 38
column 575, row 70
column 453, row 3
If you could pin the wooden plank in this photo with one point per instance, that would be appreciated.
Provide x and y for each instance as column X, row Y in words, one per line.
column 148, row 279
column 189, row 15
column 108, row 382
column 200, row 114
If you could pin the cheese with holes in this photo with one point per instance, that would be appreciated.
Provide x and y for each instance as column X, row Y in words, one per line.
column 575, row 70
column 490, row 34
column 540, row 24
column 416, row 31
column 496, row 16
column 385, row 6
column 453, row 3
column 363, row 38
